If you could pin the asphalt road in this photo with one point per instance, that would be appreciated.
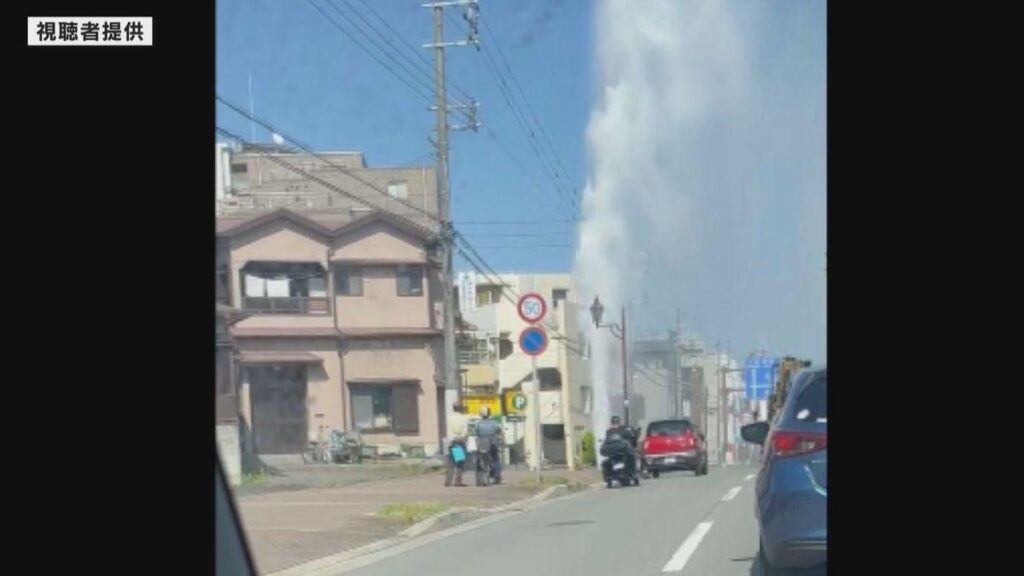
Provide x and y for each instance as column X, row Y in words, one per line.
column 678, row 524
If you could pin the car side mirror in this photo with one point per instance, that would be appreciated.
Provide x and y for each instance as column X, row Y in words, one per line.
column 755, row 433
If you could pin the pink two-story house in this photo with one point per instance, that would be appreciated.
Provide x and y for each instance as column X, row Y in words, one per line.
column 344, row 329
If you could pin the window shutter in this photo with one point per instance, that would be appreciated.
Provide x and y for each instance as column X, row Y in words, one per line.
column 406, row 408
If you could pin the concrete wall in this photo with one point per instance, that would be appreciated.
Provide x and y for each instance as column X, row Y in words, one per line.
column 228, row 444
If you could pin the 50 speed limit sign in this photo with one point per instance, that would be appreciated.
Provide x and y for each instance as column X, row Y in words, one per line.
column 532, row 307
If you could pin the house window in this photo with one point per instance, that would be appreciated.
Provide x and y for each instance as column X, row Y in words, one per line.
column 348, row 281
column 385, row 407
column 398, row 189
column 371, row 408
column 284, row 288
column 410, row 280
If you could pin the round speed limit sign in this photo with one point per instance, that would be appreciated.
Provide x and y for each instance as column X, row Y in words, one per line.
column 532, row 307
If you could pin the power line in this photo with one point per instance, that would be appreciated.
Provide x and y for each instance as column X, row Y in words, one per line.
column 402, row 78
column 521, row 121
column 506, row 291
column 531, row 140
column 412, row 68
column 330, row 186
column 529, row 107
column 639, row 369
column 323, row 159
column 370, row 53
column 537, row 187
column 468, row 254
column 525, row 246
column 523, row 234
column 509, row 97
column 413, row 49
column 511, row 222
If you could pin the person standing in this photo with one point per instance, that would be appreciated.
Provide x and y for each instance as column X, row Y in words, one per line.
column 458, row 452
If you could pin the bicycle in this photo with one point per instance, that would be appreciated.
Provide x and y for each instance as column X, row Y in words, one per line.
column 483, row 468
column 319, row 450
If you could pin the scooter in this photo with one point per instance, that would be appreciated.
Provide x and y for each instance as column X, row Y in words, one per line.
column 621, row 468
column 620, row 464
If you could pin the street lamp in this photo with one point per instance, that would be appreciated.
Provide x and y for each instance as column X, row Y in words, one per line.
column 619, row 331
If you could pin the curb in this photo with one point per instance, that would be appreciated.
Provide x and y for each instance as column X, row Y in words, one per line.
column 413, row 537
column 428, row 523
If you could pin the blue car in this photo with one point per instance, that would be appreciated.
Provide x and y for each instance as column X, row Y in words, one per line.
column 791, row 496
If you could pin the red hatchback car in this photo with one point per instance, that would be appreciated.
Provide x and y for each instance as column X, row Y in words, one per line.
column 674, row 445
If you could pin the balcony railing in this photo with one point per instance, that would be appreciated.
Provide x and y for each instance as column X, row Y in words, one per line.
column 475, row 357
column 291, row 305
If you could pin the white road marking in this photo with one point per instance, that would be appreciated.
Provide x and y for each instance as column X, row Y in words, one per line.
column 731, row 493
column 687, row 548
column 749, row 477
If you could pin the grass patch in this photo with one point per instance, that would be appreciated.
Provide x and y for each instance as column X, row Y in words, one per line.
column 548, row 481
column 411, row 512
column 255, row 478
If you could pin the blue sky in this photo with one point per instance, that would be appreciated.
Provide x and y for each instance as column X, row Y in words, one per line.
column 314, row 83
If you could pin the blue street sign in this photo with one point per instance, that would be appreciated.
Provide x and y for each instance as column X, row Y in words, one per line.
column 759, row 377
column 533, row 340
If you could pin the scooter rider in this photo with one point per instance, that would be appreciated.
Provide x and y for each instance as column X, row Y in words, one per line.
column 488, row 434
column 617, row 430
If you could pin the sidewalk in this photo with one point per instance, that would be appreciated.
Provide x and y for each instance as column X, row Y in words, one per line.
column 289, row 528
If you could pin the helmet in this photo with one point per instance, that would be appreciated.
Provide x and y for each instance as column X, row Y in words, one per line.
column 616, row 421
column 485, row 411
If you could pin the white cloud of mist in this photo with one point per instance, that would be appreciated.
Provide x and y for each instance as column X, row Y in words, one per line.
column 683, row 145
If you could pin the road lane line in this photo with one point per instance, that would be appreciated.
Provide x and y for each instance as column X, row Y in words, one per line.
column 731, row 493
column 687, row 548
column 749, row 477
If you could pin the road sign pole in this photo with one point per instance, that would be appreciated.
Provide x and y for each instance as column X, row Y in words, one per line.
column 536, row 414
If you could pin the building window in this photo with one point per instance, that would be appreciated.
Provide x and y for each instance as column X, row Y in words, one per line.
column 558, row 295
column 486, row 294
column 240, row 168
column 348, row 281
column 398, row 189
column 371, row 408
column 385, row 407
column 410, row 280
column 284, row 288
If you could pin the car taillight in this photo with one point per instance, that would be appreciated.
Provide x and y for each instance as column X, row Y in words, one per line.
column 688, row 440
column 787, row 443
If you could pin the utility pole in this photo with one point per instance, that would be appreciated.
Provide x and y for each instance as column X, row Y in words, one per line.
column 625, row 370
column 451, row 368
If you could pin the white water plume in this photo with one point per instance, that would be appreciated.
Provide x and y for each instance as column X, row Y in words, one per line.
column 674, row 101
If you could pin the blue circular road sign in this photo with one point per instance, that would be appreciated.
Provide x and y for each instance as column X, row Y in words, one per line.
column 533, row 340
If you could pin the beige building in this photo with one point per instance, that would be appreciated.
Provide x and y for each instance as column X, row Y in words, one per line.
column 341, row 297
column 344, row 329
column 257, row 179
column 491, row 360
